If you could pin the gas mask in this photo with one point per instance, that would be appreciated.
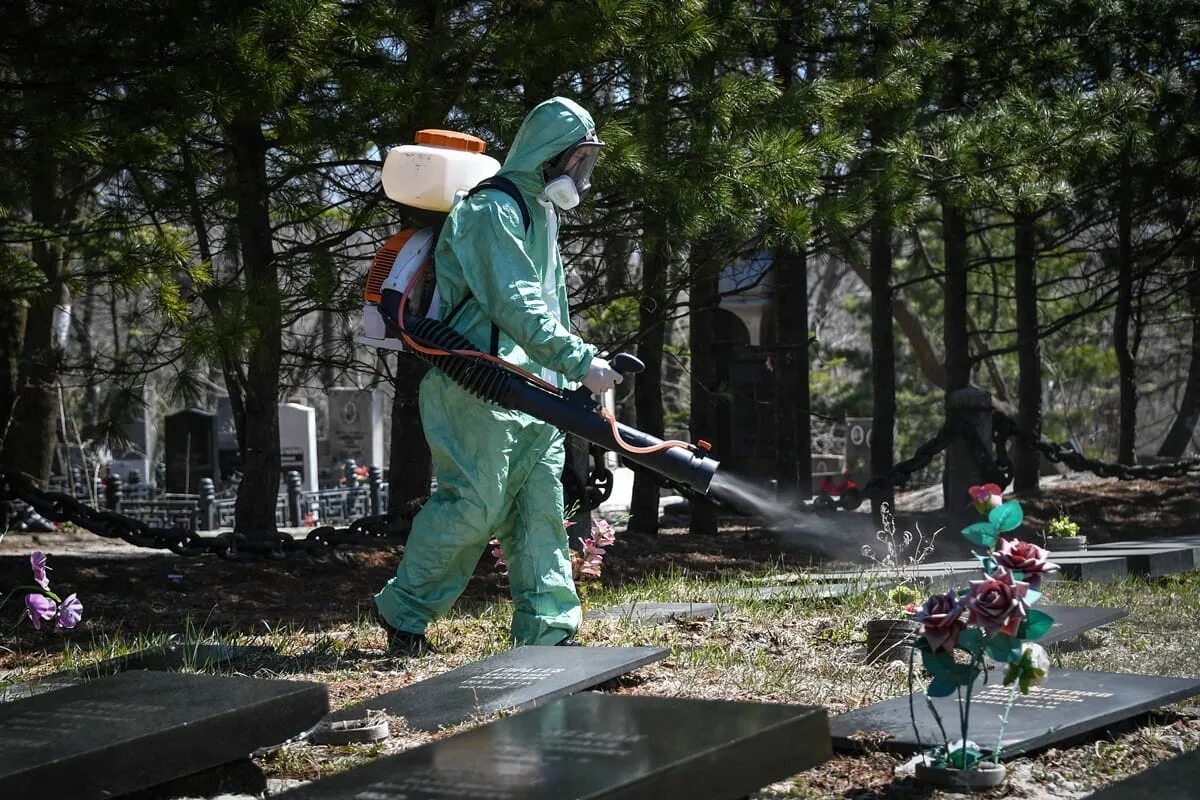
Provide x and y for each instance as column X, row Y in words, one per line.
column 568, row 175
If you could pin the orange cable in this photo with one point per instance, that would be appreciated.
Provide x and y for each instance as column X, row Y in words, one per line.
column 629, row 448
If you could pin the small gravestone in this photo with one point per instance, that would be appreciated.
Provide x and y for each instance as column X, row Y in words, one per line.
column 1069, row 704
column 1152, row 562
column 1151, row 558
column 355, row 427
column 1176, row 778
column 298, row 443
column 600, row 747
column 140, row 729
column 168, row 658
column 1070, row 622
column 137, row 454
column 191, row 450
column 1094, row 568
column 518, row 679
column 798, row 592
column 858, row 448
column 653, row 613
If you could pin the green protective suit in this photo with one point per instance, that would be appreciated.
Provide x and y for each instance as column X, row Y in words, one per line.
column 498, row 471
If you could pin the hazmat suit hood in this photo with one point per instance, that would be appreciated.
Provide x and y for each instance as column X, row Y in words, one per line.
column 551, row 127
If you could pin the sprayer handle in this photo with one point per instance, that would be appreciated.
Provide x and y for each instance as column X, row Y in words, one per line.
column 627, row 364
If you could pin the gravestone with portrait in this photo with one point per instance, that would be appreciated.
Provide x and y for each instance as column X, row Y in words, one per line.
column 355, row 428
column 510, row 681
column 298, row 443
column 1070, row 703
column 858, row 448
column 191, row 450
column 602, row 747
column 139, row 729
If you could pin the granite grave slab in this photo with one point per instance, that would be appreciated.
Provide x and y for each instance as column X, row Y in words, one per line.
column 511, row 681
column 649, row 613
column 1176, row 778
column 1071, row 621
column 1084, row 567
column 799, row 592
column 1070, row 703
column 139, row 729
column 1149, row 561
column 167, row 658
column 600, row 747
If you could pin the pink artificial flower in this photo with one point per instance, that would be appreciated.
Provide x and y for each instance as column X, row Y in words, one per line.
column 69, row 613
column 590, row 559
column 997, row 603
column 38, row 607
column 986, row 497
column 1025, row 558
column 941, row 621
column 37, row 561
column 603, row 534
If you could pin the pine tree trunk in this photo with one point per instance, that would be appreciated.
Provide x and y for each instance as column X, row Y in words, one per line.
column 883, row 352
column 29, row 445
column 1182, row 429
column 259, row 434
column 793, row 466
column 1029, row 358
column 703, row 298
column 13, row 313
column 1123, row 317
column 956, row 336
column 648, row 394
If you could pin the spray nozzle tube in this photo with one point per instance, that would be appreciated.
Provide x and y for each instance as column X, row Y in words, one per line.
column 452, row 353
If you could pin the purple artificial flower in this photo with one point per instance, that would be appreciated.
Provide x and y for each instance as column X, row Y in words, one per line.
column 997, row 603
column 941, row 622
column 38, row 607
column 1025, row 558
column 37, row 561
column 603, row 534
column 69, row 613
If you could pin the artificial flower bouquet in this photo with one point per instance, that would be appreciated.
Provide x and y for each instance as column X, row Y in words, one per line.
column 991, row 621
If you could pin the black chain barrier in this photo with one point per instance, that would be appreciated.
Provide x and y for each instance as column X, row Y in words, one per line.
column 61, row 507
column 1005, row 427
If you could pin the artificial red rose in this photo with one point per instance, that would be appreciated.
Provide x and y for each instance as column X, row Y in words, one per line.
column 941, row 622
column 986, row 497
column 998, row 603
column 1025, row 558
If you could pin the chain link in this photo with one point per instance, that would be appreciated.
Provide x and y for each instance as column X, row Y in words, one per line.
column 382, row 529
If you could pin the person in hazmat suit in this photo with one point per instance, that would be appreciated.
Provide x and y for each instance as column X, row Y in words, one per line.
column 498, row 471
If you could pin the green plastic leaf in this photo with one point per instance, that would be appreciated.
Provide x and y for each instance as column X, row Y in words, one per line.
column 1037, row 624
column 1004, row 648
column 981, row 533
column 970, row 639
column 941, row 686
column 1006, row 516
column 938, row 664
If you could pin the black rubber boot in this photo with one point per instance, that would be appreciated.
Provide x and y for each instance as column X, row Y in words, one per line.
column 403, row 643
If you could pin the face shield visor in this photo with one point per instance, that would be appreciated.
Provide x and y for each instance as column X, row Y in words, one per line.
column 577, row 162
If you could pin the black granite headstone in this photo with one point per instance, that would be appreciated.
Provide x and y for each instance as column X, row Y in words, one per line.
column 1153, row 560
column 1070, row 703
column 191, row 450
column 600, row 747
column 1084, row 566
column 1071, row 621
column 653, row 613
column 1176, row 778
column 167, row 658
column 139, row 729
column 511, row 681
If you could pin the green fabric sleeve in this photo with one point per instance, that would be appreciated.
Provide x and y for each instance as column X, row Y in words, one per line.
column 508, row 285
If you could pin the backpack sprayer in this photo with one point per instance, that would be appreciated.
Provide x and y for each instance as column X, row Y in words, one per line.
column 401, row 309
